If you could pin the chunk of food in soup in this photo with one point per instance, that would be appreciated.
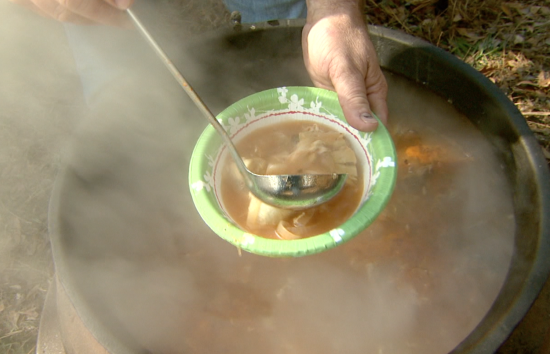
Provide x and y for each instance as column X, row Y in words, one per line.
column 296, row 147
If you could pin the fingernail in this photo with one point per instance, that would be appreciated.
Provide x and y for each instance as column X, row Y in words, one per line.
column 123, row 4
column 367, row 118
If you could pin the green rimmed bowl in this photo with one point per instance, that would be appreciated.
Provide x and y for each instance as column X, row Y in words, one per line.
column 375, row 152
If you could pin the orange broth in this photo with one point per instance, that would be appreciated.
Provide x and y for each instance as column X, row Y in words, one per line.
column 274, row 145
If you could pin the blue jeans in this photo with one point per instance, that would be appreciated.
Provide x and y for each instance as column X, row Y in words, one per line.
column 266, row 10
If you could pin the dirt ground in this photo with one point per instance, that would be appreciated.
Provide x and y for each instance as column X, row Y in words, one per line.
column 36, row 113
column 40, row 100
column 508, row 41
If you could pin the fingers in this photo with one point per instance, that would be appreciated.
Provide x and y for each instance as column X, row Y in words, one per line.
column 106, row 12
column 52, row 9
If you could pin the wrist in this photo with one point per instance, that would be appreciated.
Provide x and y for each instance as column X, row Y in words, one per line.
column 319, row 9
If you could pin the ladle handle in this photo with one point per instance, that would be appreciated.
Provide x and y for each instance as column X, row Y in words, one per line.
column 191, row 93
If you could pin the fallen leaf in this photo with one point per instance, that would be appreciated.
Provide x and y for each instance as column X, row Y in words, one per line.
column 465, row 32
column 543, row 79
column 13, row 318
column 29, row 314
column 528, row 83
column 422, row 4
column 418, row 2
column 525, row 11
column 533, row 41
column 514, row 5
column 518, row 38
column 534, row 9
column 426, row 22
column 506, row 10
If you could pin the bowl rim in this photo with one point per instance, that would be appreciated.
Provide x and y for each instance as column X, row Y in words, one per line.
column 378, row 143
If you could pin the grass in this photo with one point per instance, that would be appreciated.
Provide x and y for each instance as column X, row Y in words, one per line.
column 507, row 41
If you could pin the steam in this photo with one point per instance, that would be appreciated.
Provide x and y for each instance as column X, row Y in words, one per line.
column 408, row 284
column 36, row 116
column 152, row 274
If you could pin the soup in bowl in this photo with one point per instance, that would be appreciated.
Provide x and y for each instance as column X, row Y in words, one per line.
column 291, row 130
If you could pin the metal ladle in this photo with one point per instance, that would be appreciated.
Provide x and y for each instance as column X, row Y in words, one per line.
column 284, row 191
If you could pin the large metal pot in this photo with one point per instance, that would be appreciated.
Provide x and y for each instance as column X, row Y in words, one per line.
column 79, row 237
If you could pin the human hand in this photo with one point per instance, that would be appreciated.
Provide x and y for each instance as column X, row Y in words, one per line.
column 107, row 12
column 339, row 56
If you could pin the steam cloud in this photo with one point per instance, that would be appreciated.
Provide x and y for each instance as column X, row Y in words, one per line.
column 152, row 273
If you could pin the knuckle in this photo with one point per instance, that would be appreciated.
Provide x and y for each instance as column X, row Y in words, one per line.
column 61, row 14
column 65, row 3
column 71, row 5
column 66, row 10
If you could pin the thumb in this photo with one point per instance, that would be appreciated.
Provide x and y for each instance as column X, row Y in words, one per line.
column 352, row 95
column 359, row 98
column 377, row 93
